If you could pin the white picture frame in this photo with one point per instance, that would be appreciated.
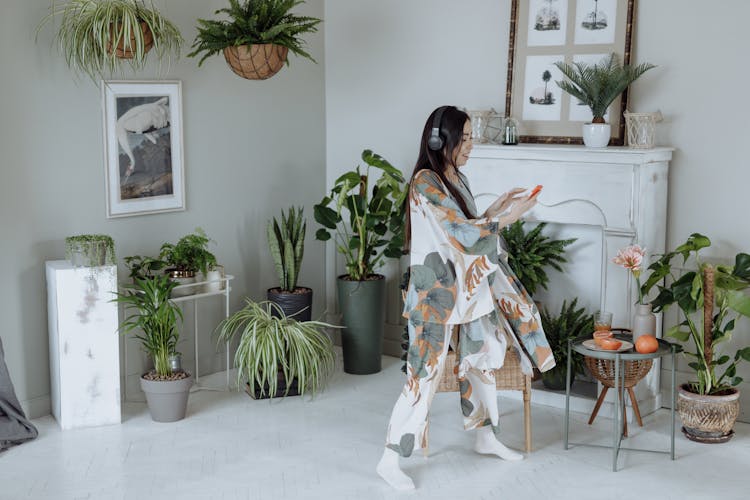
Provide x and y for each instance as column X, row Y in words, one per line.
column 143, row 147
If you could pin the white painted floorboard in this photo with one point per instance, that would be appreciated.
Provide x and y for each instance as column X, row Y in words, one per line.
column 232, row 447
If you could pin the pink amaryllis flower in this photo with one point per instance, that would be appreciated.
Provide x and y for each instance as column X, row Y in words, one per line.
column 631, row 258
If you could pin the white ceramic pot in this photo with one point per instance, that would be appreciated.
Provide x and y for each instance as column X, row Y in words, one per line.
column 596, row 135
column 214, row 280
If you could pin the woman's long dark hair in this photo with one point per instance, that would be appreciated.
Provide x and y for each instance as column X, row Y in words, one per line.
column 451, row 131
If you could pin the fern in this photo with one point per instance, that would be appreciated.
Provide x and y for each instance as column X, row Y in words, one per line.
column 572, row 322
column 254, row 22
column 530, row 253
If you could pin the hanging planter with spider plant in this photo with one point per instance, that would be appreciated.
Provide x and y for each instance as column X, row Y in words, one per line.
column 96, row 36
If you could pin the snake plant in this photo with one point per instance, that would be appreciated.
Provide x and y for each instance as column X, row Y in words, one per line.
column 286, row 241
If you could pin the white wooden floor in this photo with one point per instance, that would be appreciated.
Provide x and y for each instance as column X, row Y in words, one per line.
column 232, row 447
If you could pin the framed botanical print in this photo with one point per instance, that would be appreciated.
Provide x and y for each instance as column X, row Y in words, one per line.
column 143, row 147
column 543, row 32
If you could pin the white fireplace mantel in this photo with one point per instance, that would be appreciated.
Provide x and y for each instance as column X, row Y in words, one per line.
column 606, row 198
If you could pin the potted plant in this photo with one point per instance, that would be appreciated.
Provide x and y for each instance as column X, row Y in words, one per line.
column 530, row 253
column 279, row 356
column 143, row 267
column 597, row 85
column 366, row 218
column 97, row 35
column 90, row 250
column 187, row 257
column 709, row 404
column 153, row 316
column 286, row 242
column 257, row 37
column 570, row 323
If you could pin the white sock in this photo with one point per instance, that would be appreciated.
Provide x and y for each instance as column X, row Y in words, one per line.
column 390, row 471
column 487, row 444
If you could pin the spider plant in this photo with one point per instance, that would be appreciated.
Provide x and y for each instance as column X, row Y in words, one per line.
column 95, row 36
column 155, row 315
column 254, row 22
column 272, row 343
column 597, row 85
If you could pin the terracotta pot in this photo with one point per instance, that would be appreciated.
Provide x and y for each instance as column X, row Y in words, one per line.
column 256, row 62
column 706, row 418
column 128, row 53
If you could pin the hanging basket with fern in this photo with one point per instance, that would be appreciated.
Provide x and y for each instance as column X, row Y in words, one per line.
column 257, row 37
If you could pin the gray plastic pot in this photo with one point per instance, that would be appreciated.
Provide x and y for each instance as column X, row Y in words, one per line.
column 167, row 399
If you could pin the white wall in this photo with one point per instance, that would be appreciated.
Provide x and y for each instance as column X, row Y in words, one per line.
column 251, row 149
column 389, row 63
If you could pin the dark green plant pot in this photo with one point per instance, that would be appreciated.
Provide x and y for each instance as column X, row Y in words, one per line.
column 555, row 379
column 295, row 305
column 362, row 304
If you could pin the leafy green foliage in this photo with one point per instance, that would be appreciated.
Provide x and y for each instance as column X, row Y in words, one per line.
column 286, row 241
column 572, row 322
column 143, row 267
column 269, row 344
column 254, row 22
column 687, row 291
column 90, row 30
column 530, row 253
column 597, row 85
column 149, row 309
column 95, row 248
column 190, row 253
column 364, row 239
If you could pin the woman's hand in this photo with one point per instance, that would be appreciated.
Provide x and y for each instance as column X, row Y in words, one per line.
column 503, row 202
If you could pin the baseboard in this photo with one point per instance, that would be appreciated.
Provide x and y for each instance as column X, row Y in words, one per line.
column 37, row 407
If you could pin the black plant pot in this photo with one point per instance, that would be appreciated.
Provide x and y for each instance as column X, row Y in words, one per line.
column 297, row 304
column 555, row 378
column 362, row 304
column 280, row 389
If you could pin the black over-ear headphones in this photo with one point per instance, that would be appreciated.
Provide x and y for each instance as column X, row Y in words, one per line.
column 435, row 142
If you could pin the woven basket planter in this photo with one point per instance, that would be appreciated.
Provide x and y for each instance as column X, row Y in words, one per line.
column 708, row 419
column 127, row 53
column 256, row 62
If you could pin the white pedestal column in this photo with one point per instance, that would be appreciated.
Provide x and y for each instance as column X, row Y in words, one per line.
column 84, row 344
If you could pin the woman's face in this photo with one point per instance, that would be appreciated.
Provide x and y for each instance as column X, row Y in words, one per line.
column 461, row 153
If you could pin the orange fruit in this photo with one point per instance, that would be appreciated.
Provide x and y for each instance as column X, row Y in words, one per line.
column 646, row 344
column 608, row 343
column 602, row 334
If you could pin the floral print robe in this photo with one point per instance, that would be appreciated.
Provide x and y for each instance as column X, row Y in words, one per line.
column 459, row 275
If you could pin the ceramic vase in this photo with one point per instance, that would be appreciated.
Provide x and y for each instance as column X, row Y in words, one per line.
column 596, row 135
column 644, row 321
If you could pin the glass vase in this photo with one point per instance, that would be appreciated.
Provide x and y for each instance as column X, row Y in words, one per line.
column 644, row 321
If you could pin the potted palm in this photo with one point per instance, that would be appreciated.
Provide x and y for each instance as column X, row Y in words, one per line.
column 366, row 217
column 96, row 36
column 257, row 37
column 709, row 404
column 286, row 242
column 278, row 355
column 530, row 253
column 597, row 85
column 153, row 317
column 186, row 258
column 572, row 322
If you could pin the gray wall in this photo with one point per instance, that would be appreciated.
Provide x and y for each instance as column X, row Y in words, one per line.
column 251, row 149
column 389, row 63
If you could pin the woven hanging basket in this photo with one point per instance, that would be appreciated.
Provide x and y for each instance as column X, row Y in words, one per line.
column 256, row 62
column 128, row 53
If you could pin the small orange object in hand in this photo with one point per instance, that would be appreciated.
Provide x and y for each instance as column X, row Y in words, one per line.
column 646, row 344
column 535, row 191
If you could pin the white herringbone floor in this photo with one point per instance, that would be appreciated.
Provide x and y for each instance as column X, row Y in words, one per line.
column 232, row 447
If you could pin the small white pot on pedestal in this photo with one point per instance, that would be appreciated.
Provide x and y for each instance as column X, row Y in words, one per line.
column 596, row 135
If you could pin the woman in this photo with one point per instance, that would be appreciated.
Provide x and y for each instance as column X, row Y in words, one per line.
column 458, row 276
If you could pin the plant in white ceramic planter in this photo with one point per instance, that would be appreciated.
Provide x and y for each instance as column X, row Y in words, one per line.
column 597, row 85
column 90, row 250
